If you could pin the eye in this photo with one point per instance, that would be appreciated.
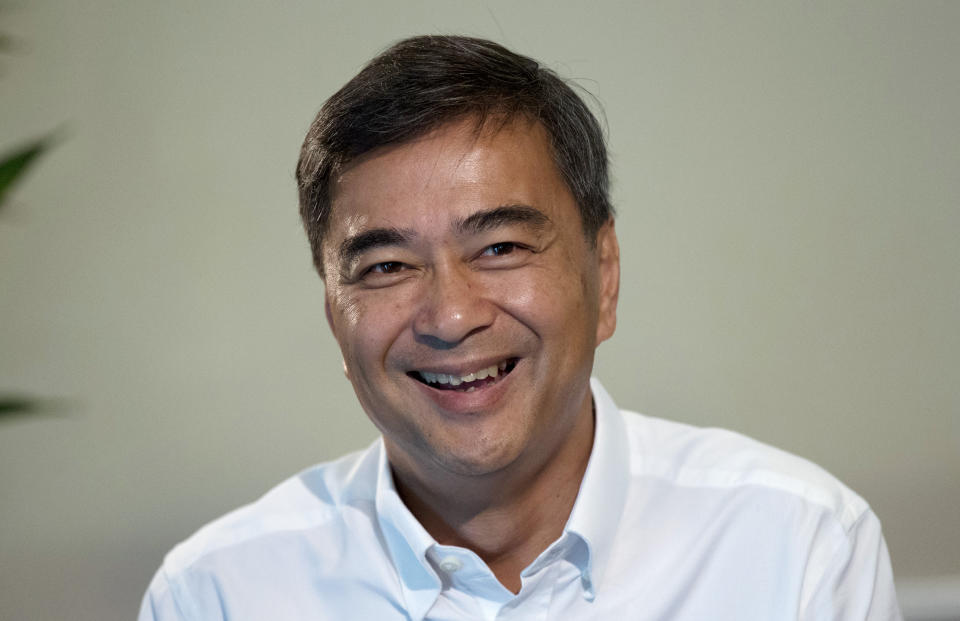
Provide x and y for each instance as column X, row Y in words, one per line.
column 504, row 255
column 380, row 274
column 499, row 249
column 387, row 267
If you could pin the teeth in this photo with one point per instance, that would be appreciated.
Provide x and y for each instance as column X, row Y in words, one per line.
column 455, row 380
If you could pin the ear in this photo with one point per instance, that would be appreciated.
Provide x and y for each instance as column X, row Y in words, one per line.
column 608, row 263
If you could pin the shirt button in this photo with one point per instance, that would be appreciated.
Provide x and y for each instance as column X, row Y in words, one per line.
column 451, row 564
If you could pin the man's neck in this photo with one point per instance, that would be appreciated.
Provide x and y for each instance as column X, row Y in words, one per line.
column 507, row 518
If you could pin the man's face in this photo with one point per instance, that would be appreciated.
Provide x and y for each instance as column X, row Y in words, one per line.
column 466, row 299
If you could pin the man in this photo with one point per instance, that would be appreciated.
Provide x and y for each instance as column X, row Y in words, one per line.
column 455, row 199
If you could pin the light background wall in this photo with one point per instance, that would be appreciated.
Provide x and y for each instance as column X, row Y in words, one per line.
column 786, row 176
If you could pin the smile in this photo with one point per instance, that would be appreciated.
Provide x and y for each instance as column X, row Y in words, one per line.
column 469, row 382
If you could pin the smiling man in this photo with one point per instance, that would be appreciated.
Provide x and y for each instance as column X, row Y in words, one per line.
column 468, row 300
column 455, row 197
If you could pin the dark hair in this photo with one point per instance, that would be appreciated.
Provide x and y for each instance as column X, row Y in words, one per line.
column 422, row 82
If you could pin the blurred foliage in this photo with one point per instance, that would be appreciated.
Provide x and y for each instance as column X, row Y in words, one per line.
column 14, row 405
column 13, row 166
column 12, row 169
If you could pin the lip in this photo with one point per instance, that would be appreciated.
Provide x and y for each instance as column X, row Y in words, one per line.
column 477, row 402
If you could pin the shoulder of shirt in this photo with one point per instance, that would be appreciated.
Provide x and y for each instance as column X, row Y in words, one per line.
column 313, row 498
column 692, row 456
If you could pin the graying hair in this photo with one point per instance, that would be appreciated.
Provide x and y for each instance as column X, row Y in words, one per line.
column 423, row 82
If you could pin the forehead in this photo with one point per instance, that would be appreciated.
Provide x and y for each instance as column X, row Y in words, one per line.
column 447, row 174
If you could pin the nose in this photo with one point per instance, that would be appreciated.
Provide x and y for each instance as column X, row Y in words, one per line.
column 452, row 308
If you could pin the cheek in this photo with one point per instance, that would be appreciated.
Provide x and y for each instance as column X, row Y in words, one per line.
column 547, row 299
column 351, row 312
column 368, row 323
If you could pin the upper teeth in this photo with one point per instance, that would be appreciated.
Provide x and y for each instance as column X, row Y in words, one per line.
column 456, row 380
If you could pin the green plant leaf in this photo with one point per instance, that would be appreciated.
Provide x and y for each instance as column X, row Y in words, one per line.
column 15, row 164
column 15, row 405
column 11, row 405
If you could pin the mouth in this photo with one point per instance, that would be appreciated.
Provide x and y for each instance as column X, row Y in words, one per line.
column 470, row 382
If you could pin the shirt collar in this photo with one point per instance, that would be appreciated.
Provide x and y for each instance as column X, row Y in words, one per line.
column 407, row 542
column 603, row 491
column 589, row 532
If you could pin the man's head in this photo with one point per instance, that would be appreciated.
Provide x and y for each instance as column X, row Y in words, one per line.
column 423, row 82
column 466, row 283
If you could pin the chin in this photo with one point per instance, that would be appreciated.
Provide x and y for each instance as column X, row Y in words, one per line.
column 476, row 462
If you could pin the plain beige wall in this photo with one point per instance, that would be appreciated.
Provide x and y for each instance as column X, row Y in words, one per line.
column 787, row 183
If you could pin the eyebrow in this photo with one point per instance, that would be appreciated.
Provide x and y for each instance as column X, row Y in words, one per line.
column 490, row 219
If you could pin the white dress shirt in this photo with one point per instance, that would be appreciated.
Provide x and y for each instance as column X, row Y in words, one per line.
column 671, row 523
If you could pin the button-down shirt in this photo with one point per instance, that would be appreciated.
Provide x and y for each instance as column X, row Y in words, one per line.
column 671, row 522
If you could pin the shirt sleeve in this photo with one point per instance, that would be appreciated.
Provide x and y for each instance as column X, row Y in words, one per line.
column 159, row 602
column 857, row 581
